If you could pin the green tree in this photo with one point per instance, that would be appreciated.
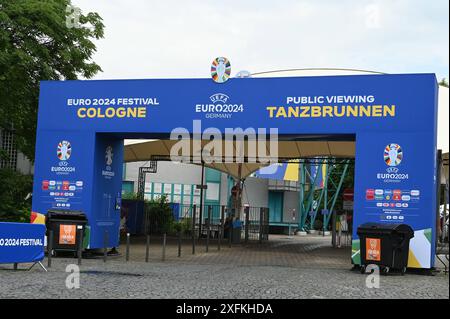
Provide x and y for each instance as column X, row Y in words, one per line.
column 444, row 82
column 15, row 201
column 40, row 40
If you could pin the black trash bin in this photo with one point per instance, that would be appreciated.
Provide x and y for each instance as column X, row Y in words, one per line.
column 385, row 245
column 66, row 226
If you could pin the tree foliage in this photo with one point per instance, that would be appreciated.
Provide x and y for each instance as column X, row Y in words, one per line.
column 36, row 44
column 15, row 201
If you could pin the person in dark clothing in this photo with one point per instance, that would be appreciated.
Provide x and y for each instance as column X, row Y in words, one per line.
column 227, row 226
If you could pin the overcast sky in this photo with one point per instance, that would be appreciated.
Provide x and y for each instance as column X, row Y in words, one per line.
column 161, row 39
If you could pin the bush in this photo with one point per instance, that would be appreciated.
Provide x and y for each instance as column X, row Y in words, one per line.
column 130, row 195
column 15, row 196
column 185, row 225
column 160, row 216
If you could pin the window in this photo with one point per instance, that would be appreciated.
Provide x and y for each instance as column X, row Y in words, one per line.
column 9, row 156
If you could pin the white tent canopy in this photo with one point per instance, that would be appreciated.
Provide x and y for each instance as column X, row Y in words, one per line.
column 145, row 150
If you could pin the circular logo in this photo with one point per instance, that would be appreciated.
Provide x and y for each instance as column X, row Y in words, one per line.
column 109, row 155
column 64, row 150
column 220, row 70
column 393, row 154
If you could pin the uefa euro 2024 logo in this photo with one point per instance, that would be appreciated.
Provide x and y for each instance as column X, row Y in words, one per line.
column 109, row 155
column 220, row 69
column 64, row 150
column 393, row 155
column 108, row 172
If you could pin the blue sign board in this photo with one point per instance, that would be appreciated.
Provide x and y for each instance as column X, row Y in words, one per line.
column 82, row 124
column 21, row 242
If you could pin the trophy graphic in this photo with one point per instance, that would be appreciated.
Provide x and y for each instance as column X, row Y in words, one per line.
column 109, row 155
column 393, row 154
column 220, row 69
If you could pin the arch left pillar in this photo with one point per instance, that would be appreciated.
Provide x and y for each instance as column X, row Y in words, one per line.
column 80, row 171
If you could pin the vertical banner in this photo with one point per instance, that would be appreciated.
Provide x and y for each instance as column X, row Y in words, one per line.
column 107, row 193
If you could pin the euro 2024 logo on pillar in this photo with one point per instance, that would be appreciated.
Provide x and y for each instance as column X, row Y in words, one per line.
column 63, row 152
column 109, row 155
column 393, row 156
column 108, row 173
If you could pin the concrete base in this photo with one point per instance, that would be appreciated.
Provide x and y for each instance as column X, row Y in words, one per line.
column 302, row 233
column 327, row 233
column 312, row 231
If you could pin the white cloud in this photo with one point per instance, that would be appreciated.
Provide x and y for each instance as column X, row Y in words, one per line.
column 161, row 39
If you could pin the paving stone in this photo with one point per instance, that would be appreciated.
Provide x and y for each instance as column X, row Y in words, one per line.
column 304, row 267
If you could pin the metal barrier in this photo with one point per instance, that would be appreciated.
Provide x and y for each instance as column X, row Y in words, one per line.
column 187, row 226
column 213, row 224
column 256, row 225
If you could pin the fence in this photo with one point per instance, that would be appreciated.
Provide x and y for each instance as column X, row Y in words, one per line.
column 207, row 221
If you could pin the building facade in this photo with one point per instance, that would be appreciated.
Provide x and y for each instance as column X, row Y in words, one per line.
column 178, row 182
column 12, row 158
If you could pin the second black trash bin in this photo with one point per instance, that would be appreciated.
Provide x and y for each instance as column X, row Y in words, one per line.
column 385, row 245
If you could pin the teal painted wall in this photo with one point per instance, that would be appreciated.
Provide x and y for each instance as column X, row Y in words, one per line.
column 275, row 206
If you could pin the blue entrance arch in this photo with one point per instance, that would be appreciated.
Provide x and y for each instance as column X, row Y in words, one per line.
column 82, row 124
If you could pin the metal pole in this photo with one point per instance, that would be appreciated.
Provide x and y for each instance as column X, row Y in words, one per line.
column 301, row 198
column 230, row 233
column 334, row 198
column 194, row 209
column 222, row 220
column 239, row 192
column 127, row 253
column 311, row 191
column 333, row 229
column 261, row 220
column 438, row 194
column 164, row 248
column 219, row 237
column 179, row 243
column 201, row 202
column 80, row 246
column 340, row 232
column 208, row 227
column 147, row 248
column 445, row 218
column 325, row 202
column 247, row 219
column 105, row 246
column 49, row 248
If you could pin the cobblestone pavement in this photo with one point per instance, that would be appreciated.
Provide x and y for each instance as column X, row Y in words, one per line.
column 284, row 268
